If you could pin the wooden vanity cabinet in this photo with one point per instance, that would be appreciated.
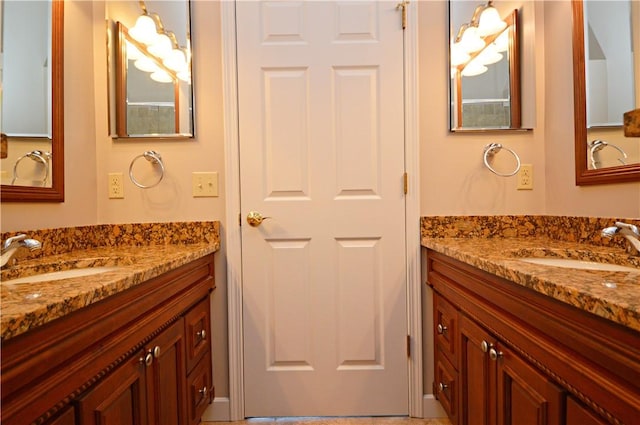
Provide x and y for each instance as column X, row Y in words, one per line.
column 523, row 358
column 120, row 361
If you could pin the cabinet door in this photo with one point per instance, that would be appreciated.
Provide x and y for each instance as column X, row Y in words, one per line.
column 119, row 399
column 476, row 375
column 166, row 377
column 524, row 395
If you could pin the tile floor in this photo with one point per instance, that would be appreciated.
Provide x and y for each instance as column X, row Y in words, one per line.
column 336, row 421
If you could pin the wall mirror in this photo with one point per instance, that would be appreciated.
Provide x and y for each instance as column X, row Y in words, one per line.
column 32, row 163
column 153, row 92
column 484, row 59
column 605, row 36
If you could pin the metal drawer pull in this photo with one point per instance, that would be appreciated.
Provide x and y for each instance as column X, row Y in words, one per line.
column 203, row 391
column 156, row 351
column 147, row 359
column 485, row 346
column 442, row 386
column 494, row 355
column 442, row 329
column 202, row 334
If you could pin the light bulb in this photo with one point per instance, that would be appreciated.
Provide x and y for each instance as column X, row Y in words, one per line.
column 490, row 22
column 489, row 55
column 144, row 30
column 132, row 52
column 175, row 61
column 146, row 64
column 502, row 42
column 470, row 41
column 458, row 55
column 161, row 47
column 161, row 76
column 185, row 76
column 473, row 68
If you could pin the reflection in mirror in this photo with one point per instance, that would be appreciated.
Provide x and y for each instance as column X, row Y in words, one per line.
column 485, row 70
column 32, row 101
column 605, row 36
column 153, row 93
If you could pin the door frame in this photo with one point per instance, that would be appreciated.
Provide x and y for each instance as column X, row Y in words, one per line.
column 233, row 209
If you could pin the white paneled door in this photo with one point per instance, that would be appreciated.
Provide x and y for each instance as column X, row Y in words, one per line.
column 320, row 86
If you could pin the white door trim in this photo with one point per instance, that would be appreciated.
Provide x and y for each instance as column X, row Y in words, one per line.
column 232, row 210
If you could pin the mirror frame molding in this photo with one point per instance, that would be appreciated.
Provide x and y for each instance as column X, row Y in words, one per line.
column 585, row 176
column 55, row 193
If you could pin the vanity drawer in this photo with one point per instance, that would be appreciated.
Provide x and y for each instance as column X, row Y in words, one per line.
column 200, row 389
column 445, row 328
column 197, row 332
column 446, row 386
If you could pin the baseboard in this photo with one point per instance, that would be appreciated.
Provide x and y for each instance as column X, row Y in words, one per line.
column 217, row 411
column 431, row 408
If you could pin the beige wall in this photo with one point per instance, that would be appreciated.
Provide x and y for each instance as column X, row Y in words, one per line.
column 453, row 178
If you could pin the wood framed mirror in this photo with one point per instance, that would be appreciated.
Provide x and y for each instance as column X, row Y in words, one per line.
column 587, row 135
column 51, row 188
column 485, row 78
column 152, row 95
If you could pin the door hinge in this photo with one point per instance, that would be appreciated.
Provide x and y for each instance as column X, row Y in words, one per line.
column 409, row 346
column 405, row 178
column 403, row 7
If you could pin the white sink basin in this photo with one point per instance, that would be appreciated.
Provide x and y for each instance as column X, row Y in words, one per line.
column 63, row 274
column 579, row 264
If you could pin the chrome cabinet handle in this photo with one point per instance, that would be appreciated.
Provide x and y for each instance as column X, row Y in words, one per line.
column 202, row 334
column 147, row 359
column 494, row 354
column 485, row 346
column 203, row 391
column 441, row 328
column 255, row 219
column 442, row 386
column 156, row 351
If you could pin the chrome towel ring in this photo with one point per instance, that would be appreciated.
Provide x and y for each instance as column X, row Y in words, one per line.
column 155, row 159
column 38, row 156
column 493, row 148
column 597, row 145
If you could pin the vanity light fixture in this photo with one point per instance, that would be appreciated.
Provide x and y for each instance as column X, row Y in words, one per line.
column 468, row 39
column 488, row 20
column 161, row 76
column 473, row 68
column 482, row 40
column 162, row 44
column 489, row 55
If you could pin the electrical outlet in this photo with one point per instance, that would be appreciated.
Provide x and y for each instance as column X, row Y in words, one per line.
column 205, row 184
column 116, row 188
column 525, row 177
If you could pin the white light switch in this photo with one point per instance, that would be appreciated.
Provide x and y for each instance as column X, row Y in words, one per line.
column 205, row 184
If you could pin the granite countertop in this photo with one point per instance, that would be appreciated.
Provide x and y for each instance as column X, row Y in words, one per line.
column 140, row 252
column 612, row 295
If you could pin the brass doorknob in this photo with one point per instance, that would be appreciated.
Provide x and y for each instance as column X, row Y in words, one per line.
column 254, row 218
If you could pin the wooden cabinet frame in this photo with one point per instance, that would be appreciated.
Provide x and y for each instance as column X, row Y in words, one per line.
column 46, row 369
column 594, row 360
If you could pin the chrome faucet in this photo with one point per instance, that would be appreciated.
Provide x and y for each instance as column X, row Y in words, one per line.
column 11, row 245
column 627, row 230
